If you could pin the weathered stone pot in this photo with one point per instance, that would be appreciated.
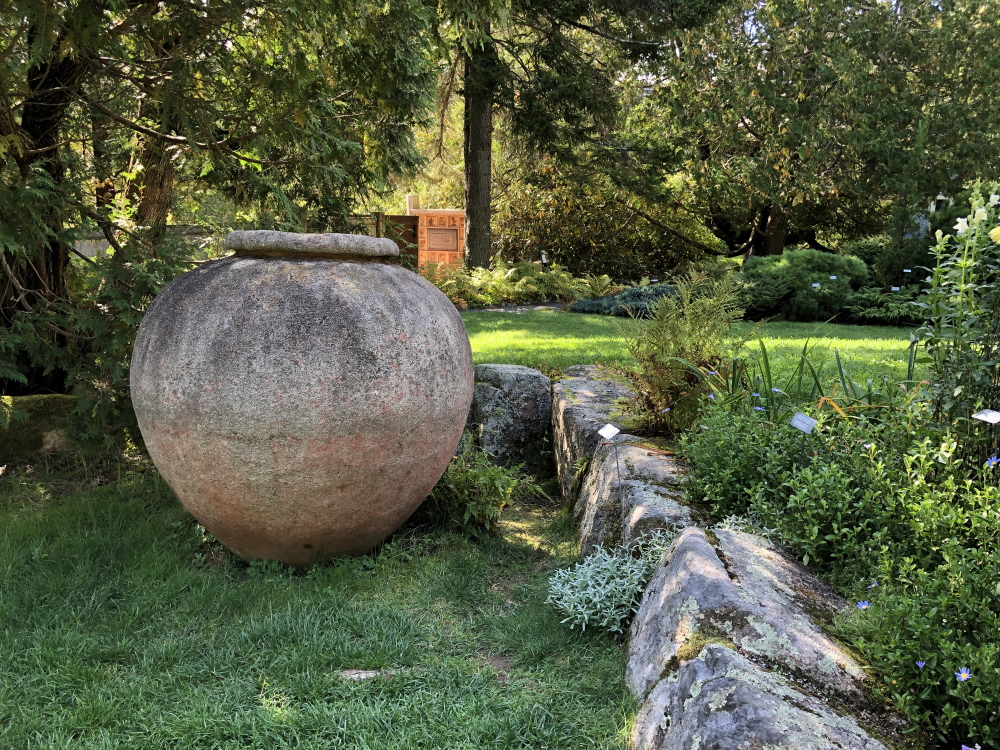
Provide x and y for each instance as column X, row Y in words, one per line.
column 303, row 396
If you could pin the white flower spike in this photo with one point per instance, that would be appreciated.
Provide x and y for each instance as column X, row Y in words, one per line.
column 980, row 215
column 962, row 225
column 994, row 199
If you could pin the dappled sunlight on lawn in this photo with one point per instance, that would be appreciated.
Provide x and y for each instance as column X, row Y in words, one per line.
column 865, row 351
column 552, row 339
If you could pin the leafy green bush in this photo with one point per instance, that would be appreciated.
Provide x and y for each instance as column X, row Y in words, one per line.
column 690, row 332
column 604, row 590
column 630, row 302
column 587, row 223
column 473, row 493
column 521, row 283
column 97, row 330
column 892, row 502
column 783, row 284
column 884, row 306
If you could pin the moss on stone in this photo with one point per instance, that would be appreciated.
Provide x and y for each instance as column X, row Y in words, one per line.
column 41, row 430
column 705, row 635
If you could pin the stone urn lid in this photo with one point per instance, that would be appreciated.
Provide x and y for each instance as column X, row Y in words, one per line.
column 264, row 242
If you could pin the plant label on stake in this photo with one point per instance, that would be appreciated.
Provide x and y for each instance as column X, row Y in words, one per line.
column 907, row 270
column 816, row 286
column 805, row 424
column 833, row 278
column 894, row 288
column 608, row 432
column 987, row 415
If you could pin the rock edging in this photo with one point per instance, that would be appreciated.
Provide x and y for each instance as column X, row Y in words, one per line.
column 725, row 652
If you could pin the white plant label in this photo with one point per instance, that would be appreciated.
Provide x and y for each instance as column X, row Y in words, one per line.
column 833, row 278
column 907, row 270
column 803, row 422
column 987, row 415
column 815, row 286
column 608, row 431
column 895, row 288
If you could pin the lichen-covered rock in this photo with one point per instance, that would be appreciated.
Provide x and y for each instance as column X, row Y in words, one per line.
column 511, row 410
column 610, row 511
column 752, row 596
column 581, row 405
column 720, row 700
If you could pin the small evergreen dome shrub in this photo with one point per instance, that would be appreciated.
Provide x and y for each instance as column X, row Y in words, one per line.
column 633, row 301
column 783, row 284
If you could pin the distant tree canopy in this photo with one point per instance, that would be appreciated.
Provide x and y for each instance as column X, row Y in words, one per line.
column 550, row 67
column 791, row 118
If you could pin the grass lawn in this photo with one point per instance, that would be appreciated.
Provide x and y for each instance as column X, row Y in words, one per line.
column 119, row 628
column 548, row 340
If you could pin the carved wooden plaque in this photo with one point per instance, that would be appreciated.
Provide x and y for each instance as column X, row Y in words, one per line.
column 442, row 239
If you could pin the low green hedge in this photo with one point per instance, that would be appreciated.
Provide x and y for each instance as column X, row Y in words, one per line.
column 633, row 301
column 803, row 285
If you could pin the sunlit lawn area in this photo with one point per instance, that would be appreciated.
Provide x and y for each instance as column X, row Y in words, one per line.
column 551, row 339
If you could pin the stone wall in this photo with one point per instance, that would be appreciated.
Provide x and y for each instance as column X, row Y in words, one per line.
column 728, row 649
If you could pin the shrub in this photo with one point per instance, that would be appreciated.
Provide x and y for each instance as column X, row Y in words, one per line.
column 883, row 306
column 473, row 493
column 690, row 331
column 604, row 590
column 586, row 223
column 783, row 284
column 110, row 295
column 630, row 302
column 891, row 503
column 521, row 283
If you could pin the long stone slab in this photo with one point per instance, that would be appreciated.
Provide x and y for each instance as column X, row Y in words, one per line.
column 582, row 404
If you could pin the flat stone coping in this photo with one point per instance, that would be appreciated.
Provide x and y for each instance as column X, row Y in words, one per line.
column 351, row 246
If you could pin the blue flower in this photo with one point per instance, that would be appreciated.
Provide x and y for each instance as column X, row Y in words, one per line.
column 713, row 372
column 711, row 396
column 963, row 674
column 775, row 390
column 704, row 427
column 869, row 446
column 874, row 584
column 756, row 395
column 863, row 605
column 664, row 410
column 992, row 461
column 759, row 408
column 921, row 664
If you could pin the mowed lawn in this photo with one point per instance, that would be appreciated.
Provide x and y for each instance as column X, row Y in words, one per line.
column 550, row 340
column 120, row 629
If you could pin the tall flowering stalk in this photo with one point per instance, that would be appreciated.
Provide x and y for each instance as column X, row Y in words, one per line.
column 962, row 333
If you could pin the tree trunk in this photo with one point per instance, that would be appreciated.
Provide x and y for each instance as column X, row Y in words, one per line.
column 775, row 234
column 38, row 273
column 53, row 84
column 480, row 77
column 156, row 189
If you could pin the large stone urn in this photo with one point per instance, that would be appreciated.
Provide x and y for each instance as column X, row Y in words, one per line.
column 302, row 396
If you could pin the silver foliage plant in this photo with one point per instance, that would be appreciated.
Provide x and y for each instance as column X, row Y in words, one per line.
column 604, row 590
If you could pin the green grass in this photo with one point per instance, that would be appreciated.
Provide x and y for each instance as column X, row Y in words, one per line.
column 545, row 340
column 119, row 628
column 555, row 340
